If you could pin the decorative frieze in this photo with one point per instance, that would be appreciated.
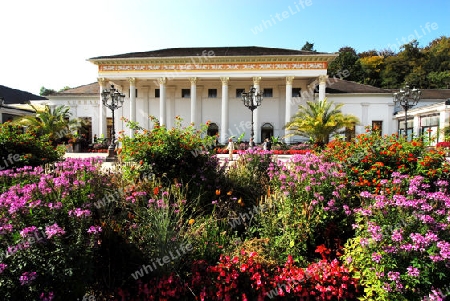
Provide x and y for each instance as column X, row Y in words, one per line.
column 212, row 67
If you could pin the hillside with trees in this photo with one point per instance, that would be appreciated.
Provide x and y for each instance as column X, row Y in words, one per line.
column 425, row 67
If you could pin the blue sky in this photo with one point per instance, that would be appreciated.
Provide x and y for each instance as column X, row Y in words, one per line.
column 47, row 42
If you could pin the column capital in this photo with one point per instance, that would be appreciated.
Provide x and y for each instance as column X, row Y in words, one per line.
column 224, row 80
column 256, row 80
column 132, row 80
column 193, row 80
column 289, row 80
column 323, row 78
column 162, row 80
column 102, row 81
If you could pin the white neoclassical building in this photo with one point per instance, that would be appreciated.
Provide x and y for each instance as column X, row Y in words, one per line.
column 205, row 84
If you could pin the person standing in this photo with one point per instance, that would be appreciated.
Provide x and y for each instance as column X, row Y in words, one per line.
column 251, row 143
column 267, row 144
column 230, row 148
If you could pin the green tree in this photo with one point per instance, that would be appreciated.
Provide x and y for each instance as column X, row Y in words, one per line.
column 308, row 47
column 44, row 91
column 51, row 121
column 347, row 60
column 319, row 120
column 372, row 66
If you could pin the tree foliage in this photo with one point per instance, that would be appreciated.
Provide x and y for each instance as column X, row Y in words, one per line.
column 319, row 120
column 425, row 67
column 51, row 121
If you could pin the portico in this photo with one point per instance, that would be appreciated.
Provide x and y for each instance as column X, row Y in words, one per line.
column 204, row 84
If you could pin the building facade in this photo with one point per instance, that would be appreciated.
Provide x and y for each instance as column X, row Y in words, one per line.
column 201, row 85
column 205, row 84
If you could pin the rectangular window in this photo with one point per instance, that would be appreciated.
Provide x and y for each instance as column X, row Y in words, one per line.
column 156, row 93
column 212, row 93
column 268, row 92
column 377, row 126
column 239, row 93
column 296, row 92
column 185, row 93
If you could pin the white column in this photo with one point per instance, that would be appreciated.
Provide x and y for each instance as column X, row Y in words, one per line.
column 322, row 86
column 224, row 116
column 392, row 123
column 288, row 115
column 365, row 114
column 101, row 111
column 132, row 82
column 193, row 81
column 256, row 125
column 443, row 122
column 162, row 100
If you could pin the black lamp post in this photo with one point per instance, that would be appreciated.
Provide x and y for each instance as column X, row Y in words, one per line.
column 407, row 98
column 115, row 99
column 252, row 100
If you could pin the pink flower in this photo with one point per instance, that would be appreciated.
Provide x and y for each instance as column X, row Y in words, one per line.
column 94, row 230
column 412, row 271
column 54, row 230
column 27, row 278
column 3, row 267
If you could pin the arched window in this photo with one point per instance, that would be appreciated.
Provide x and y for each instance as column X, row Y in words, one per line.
column 266, row 131
column 213, row 129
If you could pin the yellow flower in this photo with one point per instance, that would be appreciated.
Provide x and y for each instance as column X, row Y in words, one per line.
column 240, row 202
column 191, row 221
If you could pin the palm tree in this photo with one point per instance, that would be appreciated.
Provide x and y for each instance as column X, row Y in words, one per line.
column 318, row 120
column 52, row 121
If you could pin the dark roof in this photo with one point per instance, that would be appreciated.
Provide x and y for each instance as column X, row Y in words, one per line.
column 93, row 88
column 14, row 96
column 216, row 51
column 431, row 93
column 336, row 86
column 435, row 93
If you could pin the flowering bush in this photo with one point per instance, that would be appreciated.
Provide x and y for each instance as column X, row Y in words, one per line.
column 371, row 158
column 305, row 207
column 402, row 243
column 244, row 277
column 181, row 153
column 20, row 148
column 443, row 144
column 48, row 235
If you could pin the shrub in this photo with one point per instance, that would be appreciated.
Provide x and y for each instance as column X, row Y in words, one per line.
column 402, row 243
column 48, row 234
column 370, row 158
column 305, row 208
column 181, row 153
column 20, row 148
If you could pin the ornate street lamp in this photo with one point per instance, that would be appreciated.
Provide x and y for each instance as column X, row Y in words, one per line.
column 252, row 100
column 407, row 98
column 115, row 99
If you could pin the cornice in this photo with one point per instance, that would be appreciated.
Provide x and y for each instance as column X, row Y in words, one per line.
column 216, row 59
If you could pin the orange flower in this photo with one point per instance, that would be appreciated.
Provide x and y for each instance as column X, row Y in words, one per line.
column 230, row 192
column 156, row 190
column 217, row 191
column 191, row 221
